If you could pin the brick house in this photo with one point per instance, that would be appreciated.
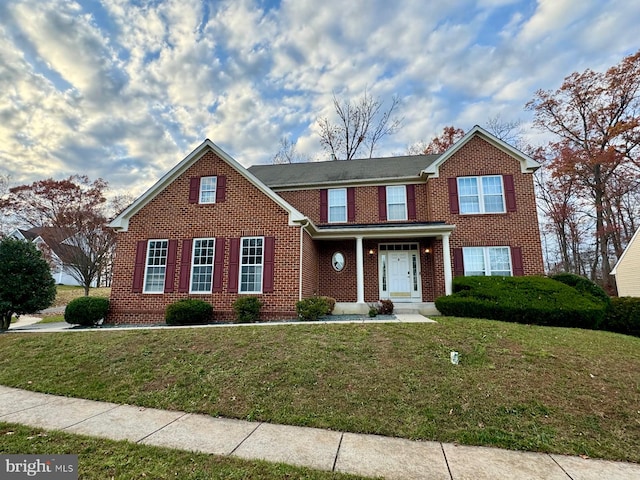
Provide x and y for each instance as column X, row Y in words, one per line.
column 357, row 231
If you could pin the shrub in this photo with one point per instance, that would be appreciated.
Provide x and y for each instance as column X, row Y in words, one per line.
column 373, row 311
column 312, row 308
column 533, row 300
column 86, row 311
column 584, row 286
column 385, row 307
column 188, row 311
column 247, row 309
column 623, row 316
column 331, row 304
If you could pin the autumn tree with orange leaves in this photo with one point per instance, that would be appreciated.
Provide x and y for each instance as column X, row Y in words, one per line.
column 595, row 117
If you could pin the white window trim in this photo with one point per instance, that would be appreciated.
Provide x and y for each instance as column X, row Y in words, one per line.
column 201, row 190
column 346, row 214
column 146, row 267
column 256, row 292
column 481, row 195
column 406, row 214
column 487, row 262
column 193, row 265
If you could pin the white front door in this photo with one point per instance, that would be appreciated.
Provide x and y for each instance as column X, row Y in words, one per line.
column 399, row 275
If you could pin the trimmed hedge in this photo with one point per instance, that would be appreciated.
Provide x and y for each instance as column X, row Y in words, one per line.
column 532, row 300
column 584, row 286
column 331, row 304
column 188, row 311
column 247, row 309
column 623, row 316
column 86, row 311
column 312, row 308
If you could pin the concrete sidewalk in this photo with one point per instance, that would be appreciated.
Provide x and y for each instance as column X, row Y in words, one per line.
column 367, row 455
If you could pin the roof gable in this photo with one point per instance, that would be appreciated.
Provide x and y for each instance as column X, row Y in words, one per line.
column 121, row 222
column 630, row 245
column 527, row 164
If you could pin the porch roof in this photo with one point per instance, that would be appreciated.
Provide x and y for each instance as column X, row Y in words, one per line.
column 380, row 230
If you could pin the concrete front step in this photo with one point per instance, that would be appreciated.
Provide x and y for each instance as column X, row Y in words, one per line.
column 424, row 308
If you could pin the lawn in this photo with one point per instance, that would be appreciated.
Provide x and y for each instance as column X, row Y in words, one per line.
column 523, row 387
column 100, row 459
column 66, row 293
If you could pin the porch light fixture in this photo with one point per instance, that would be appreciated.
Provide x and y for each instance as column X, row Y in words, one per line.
column 427, row 250
column 371, row 251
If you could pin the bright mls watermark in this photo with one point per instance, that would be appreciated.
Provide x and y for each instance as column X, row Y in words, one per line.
column 49, row 467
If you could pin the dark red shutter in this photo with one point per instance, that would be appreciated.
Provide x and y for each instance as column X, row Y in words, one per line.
column 351, row 204
column 138, row 269
column 221, row 188
column 269, row 257
column 411, row 202
column 510, row 193
column 234, row 264
column 382, row 203
column 194, row 189
column 185, row 266
column 324, row 206
column 454, row 207
column 516, row 261
column 458, row 263
column 170, row 270
column 218, row 264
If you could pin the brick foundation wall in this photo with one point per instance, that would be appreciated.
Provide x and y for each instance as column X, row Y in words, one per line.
column 246, row 211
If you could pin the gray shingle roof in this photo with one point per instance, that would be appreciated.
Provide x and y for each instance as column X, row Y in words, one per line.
column 342, row 171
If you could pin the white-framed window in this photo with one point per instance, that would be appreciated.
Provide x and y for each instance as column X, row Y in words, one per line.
column 396, row 202
column 487, row 261
column 251, row 264
column 208, row 188
column 337, row 205
column 202, row 265
column 156, row 266
column 481, row 194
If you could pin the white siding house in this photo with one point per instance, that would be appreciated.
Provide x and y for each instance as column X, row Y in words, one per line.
column 627, row 270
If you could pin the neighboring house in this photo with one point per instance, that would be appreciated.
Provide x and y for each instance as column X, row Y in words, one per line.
column 627, row 268
column 357, row 230
column 53, row 242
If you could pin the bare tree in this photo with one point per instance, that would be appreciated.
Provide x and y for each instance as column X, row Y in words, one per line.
column 4, row 212
column 509, row 131
column 288, row 153
column 361, row 123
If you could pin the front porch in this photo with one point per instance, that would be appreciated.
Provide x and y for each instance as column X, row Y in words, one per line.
column 422, row 308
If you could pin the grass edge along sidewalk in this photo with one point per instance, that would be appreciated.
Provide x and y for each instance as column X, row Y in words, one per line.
column 521, row 387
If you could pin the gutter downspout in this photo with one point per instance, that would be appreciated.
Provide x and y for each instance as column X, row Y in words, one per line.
column 302, row 230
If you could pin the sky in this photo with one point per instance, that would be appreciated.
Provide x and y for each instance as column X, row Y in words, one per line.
column 125, row 89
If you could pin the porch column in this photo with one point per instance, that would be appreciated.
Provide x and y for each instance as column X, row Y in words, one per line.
column 446, row 258
column 359, row 270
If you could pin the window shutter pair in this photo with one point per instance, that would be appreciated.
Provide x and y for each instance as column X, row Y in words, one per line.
column 268, row 265
column 194, row 189
column 185, row 265
column 140, row 263
column 509, row 194
column 411, row 202
column 351, row 205
column 516, row 262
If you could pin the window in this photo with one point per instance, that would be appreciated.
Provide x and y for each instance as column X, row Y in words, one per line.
column 156, row 266
column 337, row 198
column 488, row 261
column 251, row 264
column 481, row 194
column 208, row 187
column 202, row 265
column 397, row 203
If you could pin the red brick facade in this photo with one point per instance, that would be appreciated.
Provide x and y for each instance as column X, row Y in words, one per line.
column 246, row 210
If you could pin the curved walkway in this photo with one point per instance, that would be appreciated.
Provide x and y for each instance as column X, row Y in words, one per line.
column 368, row 455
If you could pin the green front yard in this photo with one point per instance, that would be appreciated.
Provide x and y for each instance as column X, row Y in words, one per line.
column 522, row 387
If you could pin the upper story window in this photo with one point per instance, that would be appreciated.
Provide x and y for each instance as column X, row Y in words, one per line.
column 251, row 264
column 396, row 202
column 208, row 188
column 481, row 194
column 487, row 261
column 156, row 266
column 337, row 203
column 202, row 265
